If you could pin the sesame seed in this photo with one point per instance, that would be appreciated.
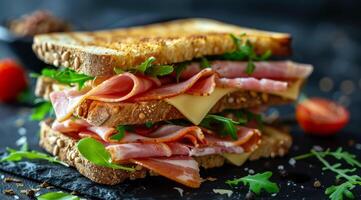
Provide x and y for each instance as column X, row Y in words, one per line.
column 292, row 162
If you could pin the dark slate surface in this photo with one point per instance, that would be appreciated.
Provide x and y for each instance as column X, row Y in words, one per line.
column 326, row 35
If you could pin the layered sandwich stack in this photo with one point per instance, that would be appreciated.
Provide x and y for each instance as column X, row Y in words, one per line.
column 165, row 99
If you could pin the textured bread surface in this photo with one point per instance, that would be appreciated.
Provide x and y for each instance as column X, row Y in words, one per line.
column 113, row 114
column 97, row 53
column 64, row 147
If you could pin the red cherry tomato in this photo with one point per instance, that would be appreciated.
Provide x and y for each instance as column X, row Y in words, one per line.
column 12, row 80
column 321, row 116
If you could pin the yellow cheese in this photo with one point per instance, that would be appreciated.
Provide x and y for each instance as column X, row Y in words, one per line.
column 236, row 159
column 292, row 92
column 195, row 108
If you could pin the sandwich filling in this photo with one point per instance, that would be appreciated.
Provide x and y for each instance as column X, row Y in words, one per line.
column 194, row 90
column 273, row 77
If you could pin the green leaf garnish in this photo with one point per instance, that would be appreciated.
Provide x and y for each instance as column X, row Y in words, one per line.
column 148, row 68
column 121, row 133
column 179, row 69
column 57, row 196
column 149, row 124
column 257, row 182
column 159, row 70
column 245, row 50
column 146, row 64
column 15, row 155
column 66, row 76
column 118, row 70
column 337, row 192
column 222, row 125
column 95, row 152
column 204, row 63
column 41, row 111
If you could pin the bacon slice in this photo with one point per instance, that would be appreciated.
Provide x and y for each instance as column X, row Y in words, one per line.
column 202, row 83
column 182, row 169
column 264, row 69
column 263, row 85
column 117, row 88
column 121, row 152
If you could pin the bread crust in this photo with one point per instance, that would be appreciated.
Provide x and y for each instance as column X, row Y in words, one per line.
column 64, row 147
column 97, row 53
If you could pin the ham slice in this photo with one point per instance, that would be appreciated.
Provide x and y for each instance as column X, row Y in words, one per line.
column 202, row 83
column 263, row 85
column 264, row 69
column 168, row 133
column 122, row 152
column 182, row 169
column 115, row 89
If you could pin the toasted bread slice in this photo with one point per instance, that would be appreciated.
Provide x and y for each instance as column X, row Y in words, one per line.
column 274, row 143
column 113, row 114
column 97, row 53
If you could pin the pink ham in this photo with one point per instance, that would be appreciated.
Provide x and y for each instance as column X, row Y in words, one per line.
column 122, row 152
column 262, row 85
column 182, row 169
column 117, row 88
column 264, row 69
column 202, row 83
column 168, row 133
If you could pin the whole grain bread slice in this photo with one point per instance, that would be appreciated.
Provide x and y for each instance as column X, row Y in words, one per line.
column 97, row 53
column 274, row 143
column 100, row 113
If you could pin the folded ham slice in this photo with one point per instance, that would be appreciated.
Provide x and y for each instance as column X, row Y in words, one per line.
column 202, row 83
column 264, row 69
column 182, row 169
column 115, row 89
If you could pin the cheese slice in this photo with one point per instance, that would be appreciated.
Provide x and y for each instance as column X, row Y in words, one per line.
column 195, row 108
column 292, row 92
column 236, row 159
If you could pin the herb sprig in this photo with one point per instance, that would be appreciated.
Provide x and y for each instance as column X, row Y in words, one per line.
column 148, row 68
column 256, row 182
column 337, row 192
column 65, row 76
column 245, row 51
column 17, row 155
column 57, row 195
column 95, row 152
column 42, row 110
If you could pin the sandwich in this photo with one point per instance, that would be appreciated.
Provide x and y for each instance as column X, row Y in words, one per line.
column 165, row 99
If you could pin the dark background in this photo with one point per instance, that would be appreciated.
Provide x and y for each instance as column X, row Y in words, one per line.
column 326, row 34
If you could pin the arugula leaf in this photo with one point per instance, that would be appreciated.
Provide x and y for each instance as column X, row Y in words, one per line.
column 148, row 68
column 121, row 133
column 149, row 124
column 15, row 155
column 222, row 125
column 95, row 152
column 41, row 111
column 159, row 70
column 245, row 50
column 118, row 70
column 146, row 64
column 57, row 196
column 336, row 192
column 179, row 69
column 66, row 76
column 204, row 63
column 256, row 182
